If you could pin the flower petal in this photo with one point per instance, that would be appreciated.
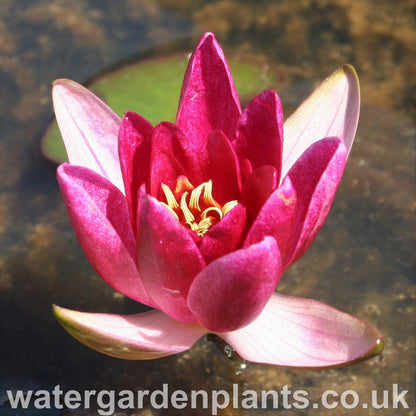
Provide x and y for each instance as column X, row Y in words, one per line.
column 224, row 237
column 260, row 132
column 233, row 290
column 89, row 129
column 220, row 164
column 300, row 332
column 296, row 211
column 257, row 189
column 331, row 110
column 209, row 100
column 168, row 258
column 143, row 336
column 277, row 218
column 324, row 162
column 134, row 151
column 99, row 214
column 171, row 156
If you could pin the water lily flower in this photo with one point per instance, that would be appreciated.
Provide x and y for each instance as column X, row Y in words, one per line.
column 199, row 219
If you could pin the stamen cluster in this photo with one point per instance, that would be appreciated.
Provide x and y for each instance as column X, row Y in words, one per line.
column 196, row 207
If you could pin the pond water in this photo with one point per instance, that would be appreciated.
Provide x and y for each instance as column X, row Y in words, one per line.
column 362, row 261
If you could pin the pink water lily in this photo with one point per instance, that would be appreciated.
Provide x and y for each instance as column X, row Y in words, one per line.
column 199, row 219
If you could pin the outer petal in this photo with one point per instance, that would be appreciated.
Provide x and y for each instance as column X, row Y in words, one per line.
column 315, row 192
column 331, row 110
column 296, row 211
column 209, row 100
column 233, row 290
column 260, row 132
column 99, row 215
column 168, row 258
column 89, row 129
column 134, row 149
column 133, row 337
column 300, row 332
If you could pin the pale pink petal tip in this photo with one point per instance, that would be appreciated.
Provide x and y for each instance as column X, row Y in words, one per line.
column 143, row 336
column 332, row 110
column 296, row 332
column 89, row 129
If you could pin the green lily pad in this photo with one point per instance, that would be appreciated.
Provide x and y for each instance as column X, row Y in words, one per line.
column 151, row 87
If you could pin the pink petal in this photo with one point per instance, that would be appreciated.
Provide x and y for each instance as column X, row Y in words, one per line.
column 220, row 164
column 296, row 211
column 224, row 237
column 277, row 218
column 89, row 129
column 300, row 332
column 324, row 161
column 168, row 258
column 171, row 156
column 209, row 100
column 258, row 188
column 99, row 214
column 260, row 132
column 331, row 110
column 134, row 149
column 233, row 290
column 245, row 169
column 143, row 336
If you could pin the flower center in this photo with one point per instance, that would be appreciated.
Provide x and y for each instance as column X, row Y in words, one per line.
column 195, row 207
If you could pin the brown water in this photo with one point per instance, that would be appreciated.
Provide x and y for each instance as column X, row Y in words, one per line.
column 362, row 261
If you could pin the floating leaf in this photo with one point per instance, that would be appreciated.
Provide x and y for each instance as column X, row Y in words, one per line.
column 151, row 88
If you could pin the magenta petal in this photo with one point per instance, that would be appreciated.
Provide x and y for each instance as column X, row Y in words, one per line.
column 277, row 218
column 168, row 258
column 99, row 214
column 220, row 164
column 224, row 237
column 298, row 332
column 89, row 129
column 143, row 336
column 171, row 156
column 332, row 110
column 260, row 132
column 324, row 163
column 257, row 189
column 209, row 100
column 134, row 151
column 296, row 211
column 233, row 290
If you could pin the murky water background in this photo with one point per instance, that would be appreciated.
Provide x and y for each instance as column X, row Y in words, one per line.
column 362, row 261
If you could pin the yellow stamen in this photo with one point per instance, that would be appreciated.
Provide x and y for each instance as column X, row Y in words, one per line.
column 208, row 199
column 191, row 213
column 170, row 198
column 189, row 218
column 228, row 206
column 203, row 226
column 183, row 184
column 204, row 215
column 195, row 195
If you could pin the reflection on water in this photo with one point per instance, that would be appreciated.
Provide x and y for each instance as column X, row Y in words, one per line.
column 362, row 261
